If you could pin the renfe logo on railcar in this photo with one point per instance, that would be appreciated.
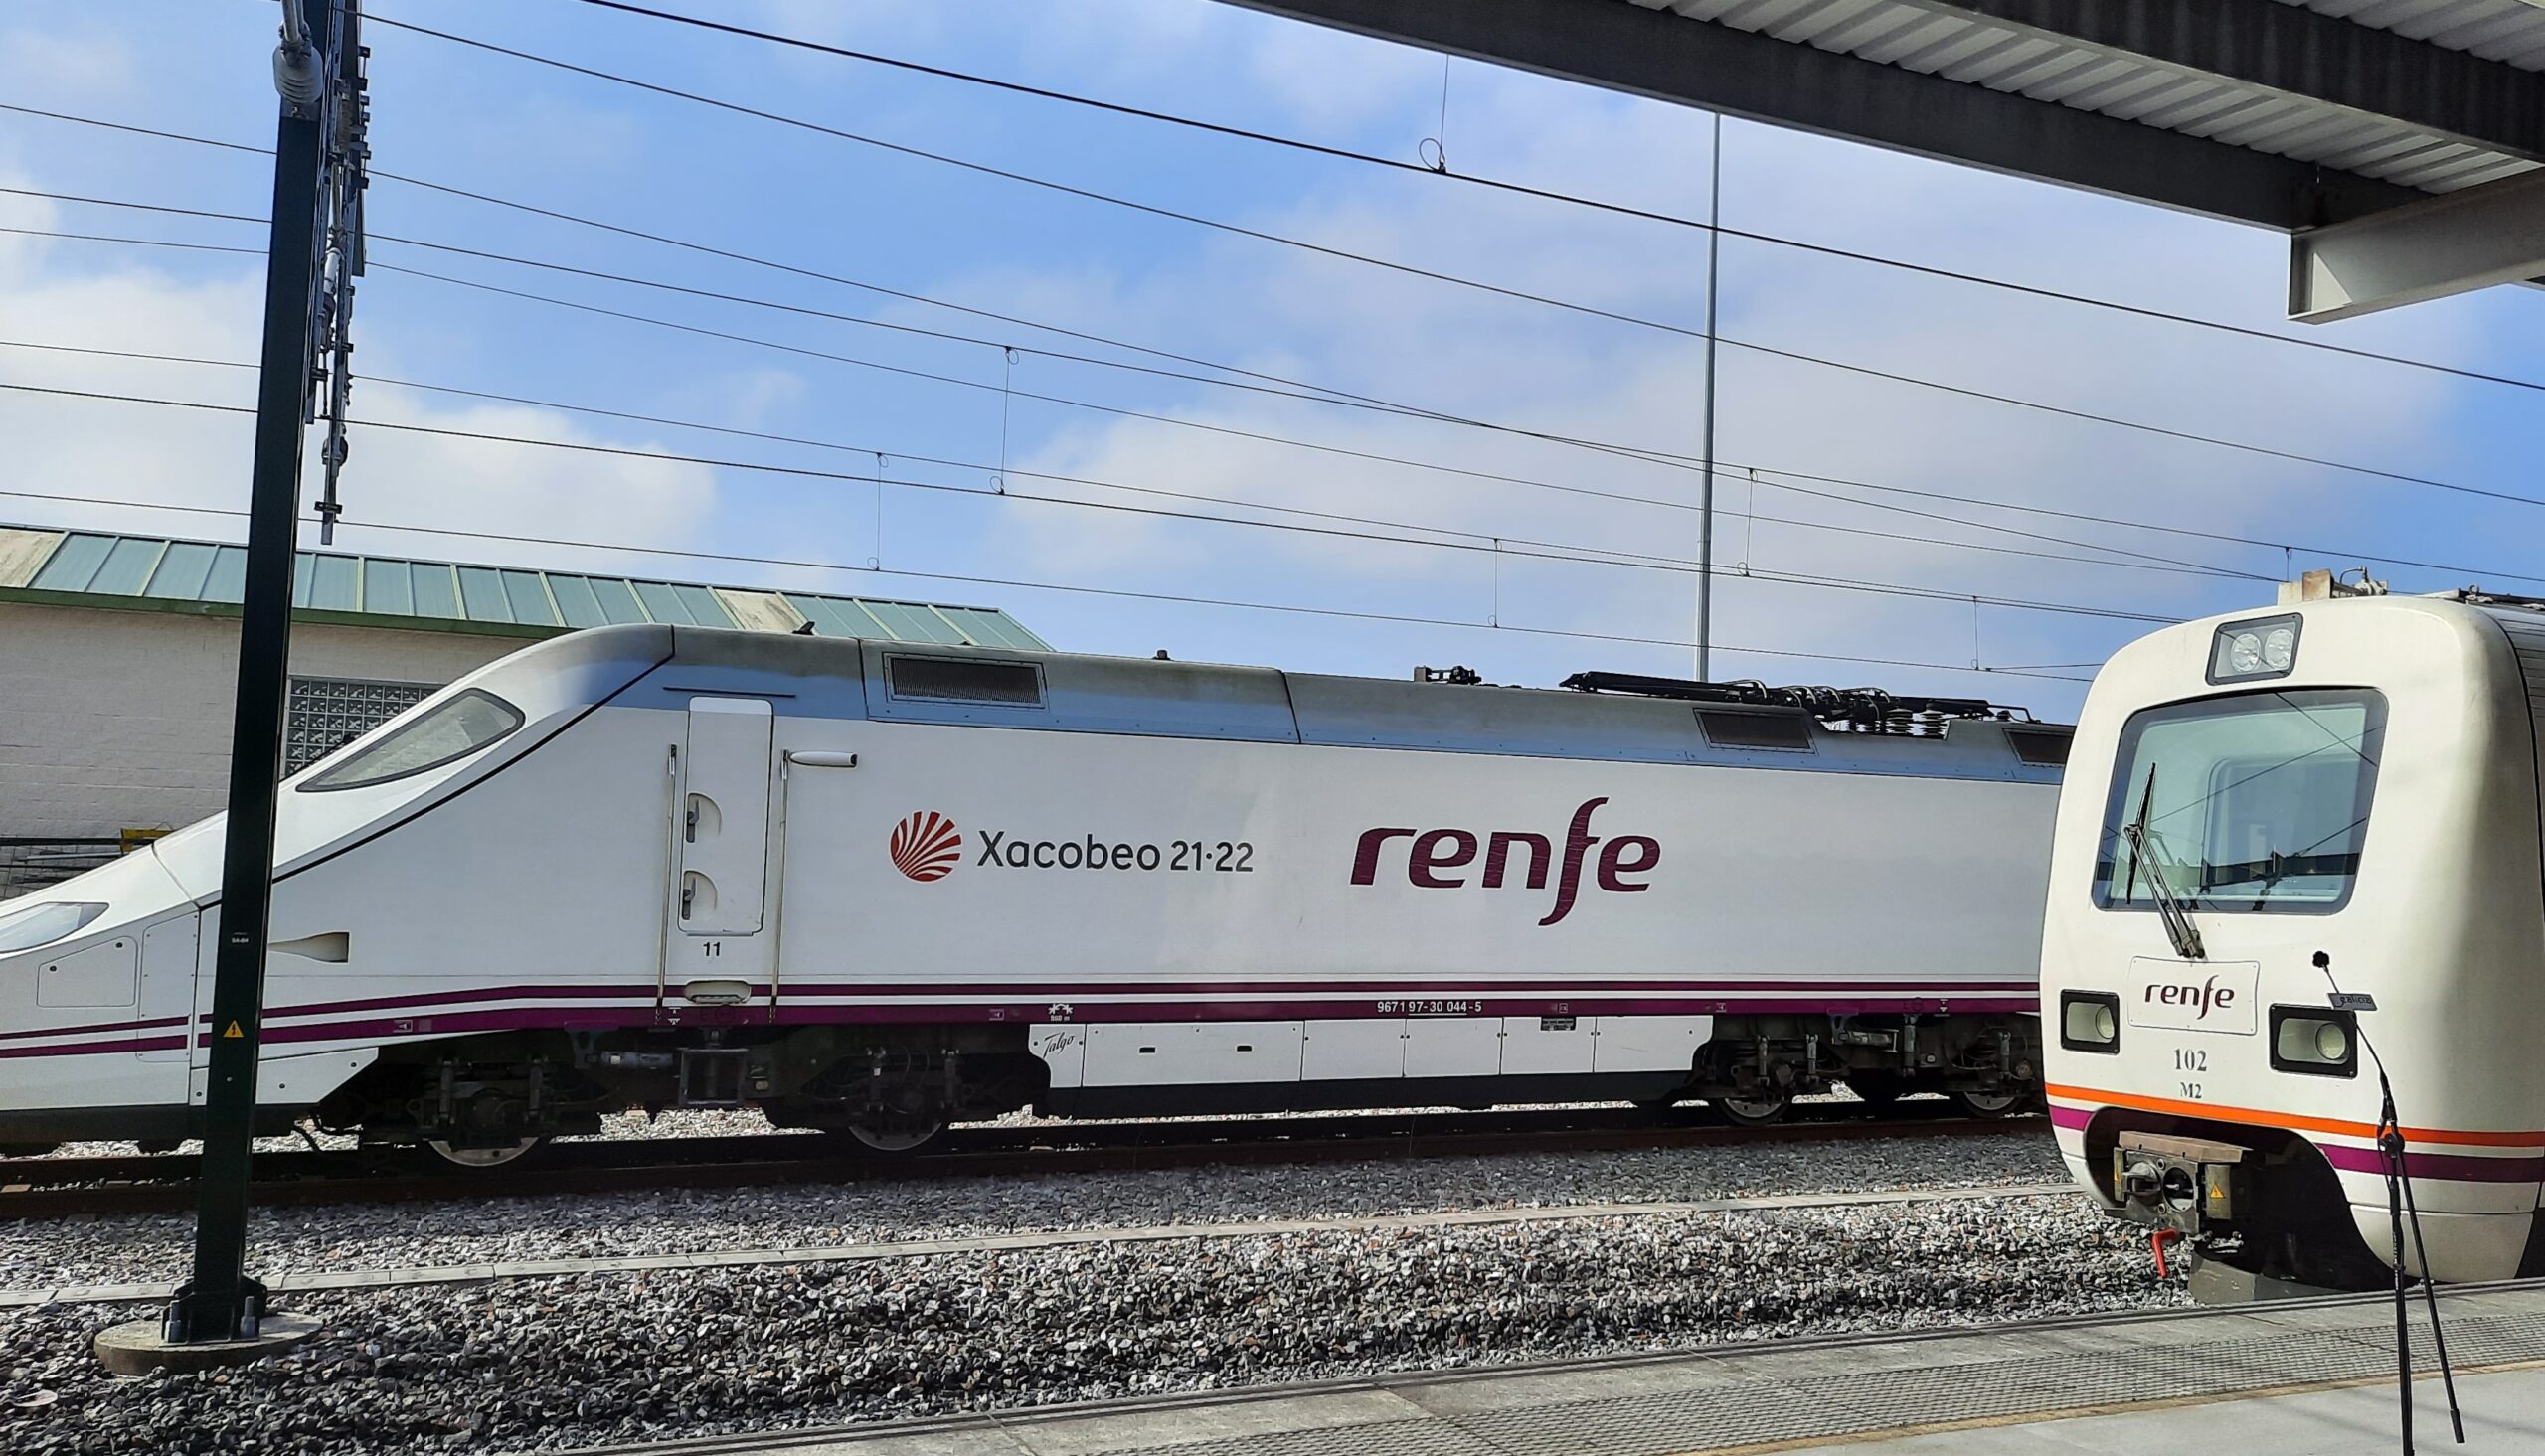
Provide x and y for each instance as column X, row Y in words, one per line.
column 1434, row 850
column 2222, row 1000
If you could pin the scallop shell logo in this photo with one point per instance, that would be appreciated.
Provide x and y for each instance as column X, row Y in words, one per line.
column 926, row 846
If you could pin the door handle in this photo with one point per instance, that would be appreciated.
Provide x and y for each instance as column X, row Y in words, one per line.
column 813, row 758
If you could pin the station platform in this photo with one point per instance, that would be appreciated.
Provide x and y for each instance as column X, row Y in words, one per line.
column 2314, row 1376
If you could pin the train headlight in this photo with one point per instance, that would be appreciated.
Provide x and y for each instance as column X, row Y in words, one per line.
column 2279, row 648
column 2266, row 647
column 2090, row 1021
column 2314, row 1039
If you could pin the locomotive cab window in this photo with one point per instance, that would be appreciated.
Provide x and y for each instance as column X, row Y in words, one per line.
column 2258, row 802
column 33, row 925
column 447, row 732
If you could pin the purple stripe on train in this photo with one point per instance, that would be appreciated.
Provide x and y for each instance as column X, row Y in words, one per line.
column 2449, row 1166
column 1391, row 988
column 437, row 1023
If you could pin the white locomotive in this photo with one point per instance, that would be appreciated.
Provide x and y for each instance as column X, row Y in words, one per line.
column 2353, row 777
column 874, row 888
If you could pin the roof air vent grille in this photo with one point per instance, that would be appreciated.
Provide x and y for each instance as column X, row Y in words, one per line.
column 965, row 679
column 1751, row 728
column 2047, row 746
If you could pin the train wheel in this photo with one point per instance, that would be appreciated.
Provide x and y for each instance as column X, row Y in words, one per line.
column 1989, row 1104
column 899, row 1139
column 479, row 1159
column 1757, row 1111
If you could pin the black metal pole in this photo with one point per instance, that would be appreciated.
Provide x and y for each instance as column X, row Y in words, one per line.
column 221, row 1302
column 2390, row 1144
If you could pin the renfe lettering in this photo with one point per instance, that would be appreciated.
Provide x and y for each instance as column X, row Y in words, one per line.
column 1434, row 858
column 2207, row 996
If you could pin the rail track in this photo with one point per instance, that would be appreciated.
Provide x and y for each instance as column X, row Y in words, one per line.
column 54, row 1186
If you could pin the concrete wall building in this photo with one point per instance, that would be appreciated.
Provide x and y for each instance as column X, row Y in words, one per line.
column 117, row 655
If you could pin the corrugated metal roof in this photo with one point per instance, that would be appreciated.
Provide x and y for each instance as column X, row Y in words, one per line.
column 399, row 590
column 2002, row 58
column 2509, row 30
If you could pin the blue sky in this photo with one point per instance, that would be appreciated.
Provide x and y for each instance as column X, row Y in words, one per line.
column 470, row 119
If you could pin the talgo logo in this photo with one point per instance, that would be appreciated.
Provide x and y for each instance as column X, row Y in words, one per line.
column 2199, row 999
column 1434, row 850
column 926, row 846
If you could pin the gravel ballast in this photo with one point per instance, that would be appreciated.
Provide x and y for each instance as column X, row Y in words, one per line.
column 99, row 1249
column 549, row 1363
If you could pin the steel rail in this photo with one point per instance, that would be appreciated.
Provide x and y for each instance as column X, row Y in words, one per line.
column 52, row 1187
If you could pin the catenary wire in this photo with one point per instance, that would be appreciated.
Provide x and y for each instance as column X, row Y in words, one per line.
column 1879, row 588
column 1777, row 477
column 1624, row 453
column 1071, row 588
column 2065, row 412
column 2161, row 562
column 1496, row 184
column 598, row 411
column 1679, row 461
column 1413, row 270
column 1089, row 194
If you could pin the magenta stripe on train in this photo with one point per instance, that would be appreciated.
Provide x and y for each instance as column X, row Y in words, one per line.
column 602, row 1018
column 2449, row 1166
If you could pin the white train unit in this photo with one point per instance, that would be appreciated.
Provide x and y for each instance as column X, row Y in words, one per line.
column 2298, row 841
column 873, row 887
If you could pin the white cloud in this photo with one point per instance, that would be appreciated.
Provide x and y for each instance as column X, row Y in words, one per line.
column 97, row 64
column 1499, row 358
column 100, row 451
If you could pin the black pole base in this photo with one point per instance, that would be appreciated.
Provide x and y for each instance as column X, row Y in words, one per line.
column 196, row 1316
column 203, row 1331
column 136, row 1348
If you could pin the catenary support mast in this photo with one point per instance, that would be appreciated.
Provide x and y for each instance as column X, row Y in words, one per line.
column 318, row 69
column 1705, row 475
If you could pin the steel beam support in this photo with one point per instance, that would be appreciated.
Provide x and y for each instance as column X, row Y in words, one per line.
column 2293, row 52
column 2454, row 243
column 1667, row 57
column 221, row 1303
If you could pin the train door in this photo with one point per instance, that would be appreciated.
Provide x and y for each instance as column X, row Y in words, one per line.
column 168, row 957
column 716, row 952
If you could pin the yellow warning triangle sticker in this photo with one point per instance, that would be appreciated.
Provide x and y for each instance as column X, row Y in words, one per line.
column 233, row 1030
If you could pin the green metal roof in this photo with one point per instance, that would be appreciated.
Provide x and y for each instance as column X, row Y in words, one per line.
column 156, row 573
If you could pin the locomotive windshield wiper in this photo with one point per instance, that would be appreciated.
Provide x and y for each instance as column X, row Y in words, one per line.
column 2178, row 927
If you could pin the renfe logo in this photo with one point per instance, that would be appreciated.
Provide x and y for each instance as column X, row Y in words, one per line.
column 1435, row 850
column 926, row 846
column 2201, row 999
column 2222, row 1000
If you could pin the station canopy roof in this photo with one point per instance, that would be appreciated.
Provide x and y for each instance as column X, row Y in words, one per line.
column 157, row 573
column 2294, row 114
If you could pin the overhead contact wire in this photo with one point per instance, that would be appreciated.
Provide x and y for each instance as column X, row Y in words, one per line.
column 1473, row 179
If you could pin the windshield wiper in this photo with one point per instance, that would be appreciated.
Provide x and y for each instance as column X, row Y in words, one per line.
column 2178, row 927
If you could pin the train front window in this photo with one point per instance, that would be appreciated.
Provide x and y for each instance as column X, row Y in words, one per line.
column 446, row 733
column 25, row 929
column 2253, row 803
